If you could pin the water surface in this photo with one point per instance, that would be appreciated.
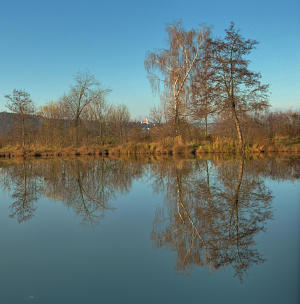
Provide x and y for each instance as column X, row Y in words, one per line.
column 150, row 231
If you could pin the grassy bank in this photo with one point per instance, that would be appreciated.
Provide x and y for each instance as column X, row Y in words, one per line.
column 169, row 146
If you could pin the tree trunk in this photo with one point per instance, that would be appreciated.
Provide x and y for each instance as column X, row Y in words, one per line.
column 206, row 133
column 238, row 128
column 23, row 133
column 176, row 118
column 76, row 125
column 100, row 132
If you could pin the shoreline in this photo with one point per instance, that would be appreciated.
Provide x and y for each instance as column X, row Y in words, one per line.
column 144, row 150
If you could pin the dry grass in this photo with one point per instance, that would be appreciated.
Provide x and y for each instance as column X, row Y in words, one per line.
column 165, row 147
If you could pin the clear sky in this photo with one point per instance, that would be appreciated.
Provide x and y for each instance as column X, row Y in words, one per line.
column 44, row 43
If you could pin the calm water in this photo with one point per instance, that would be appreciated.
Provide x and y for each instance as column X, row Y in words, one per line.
column 155, row 231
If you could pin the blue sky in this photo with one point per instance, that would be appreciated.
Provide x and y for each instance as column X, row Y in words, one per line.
column 44, row 43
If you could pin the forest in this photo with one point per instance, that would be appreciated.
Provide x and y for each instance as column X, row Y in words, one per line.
column 211, row 101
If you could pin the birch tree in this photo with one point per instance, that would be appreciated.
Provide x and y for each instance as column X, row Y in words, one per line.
column 173, row 67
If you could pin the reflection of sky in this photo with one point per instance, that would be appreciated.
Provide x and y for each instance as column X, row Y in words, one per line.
column 44, row 43
column 281, row 244
column 56, row 259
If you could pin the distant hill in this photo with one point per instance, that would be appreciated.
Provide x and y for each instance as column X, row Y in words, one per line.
column 8, row 121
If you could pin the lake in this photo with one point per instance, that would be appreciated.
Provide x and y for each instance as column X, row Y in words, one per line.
column 167, row 230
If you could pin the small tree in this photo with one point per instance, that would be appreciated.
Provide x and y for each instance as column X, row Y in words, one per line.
column 97, row 114
column 119, row 118
column 240, row 88
column 21, row 104
column 53, row 124
column 85, row 91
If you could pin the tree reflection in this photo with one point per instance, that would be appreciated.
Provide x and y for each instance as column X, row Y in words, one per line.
column 21, row 181
column 213, row 221
column 85, row 186
column 88, row 186
column 212, row 213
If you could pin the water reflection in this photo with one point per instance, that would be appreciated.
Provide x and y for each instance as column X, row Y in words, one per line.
column 212, row 215
column 85, row 186
column 212, row 212
column 88, row 186
column 25, row 191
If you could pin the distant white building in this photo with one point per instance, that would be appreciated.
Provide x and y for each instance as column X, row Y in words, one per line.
column 146, row 121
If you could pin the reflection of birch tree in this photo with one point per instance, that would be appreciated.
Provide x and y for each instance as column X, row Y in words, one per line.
column 213, row 221
column 182, row 230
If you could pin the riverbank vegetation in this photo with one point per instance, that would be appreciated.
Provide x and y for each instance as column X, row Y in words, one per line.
column 211, row 101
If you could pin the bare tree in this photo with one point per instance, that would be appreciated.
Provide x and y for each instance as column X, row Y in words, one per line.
column 119, row 118
column 97, row 113
column 156, row 115
column 205, row 97
column 83, row 92
column 173, row 67
column 52, row 110
column 52, row 129
column 20, row 103
column 241, row 90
